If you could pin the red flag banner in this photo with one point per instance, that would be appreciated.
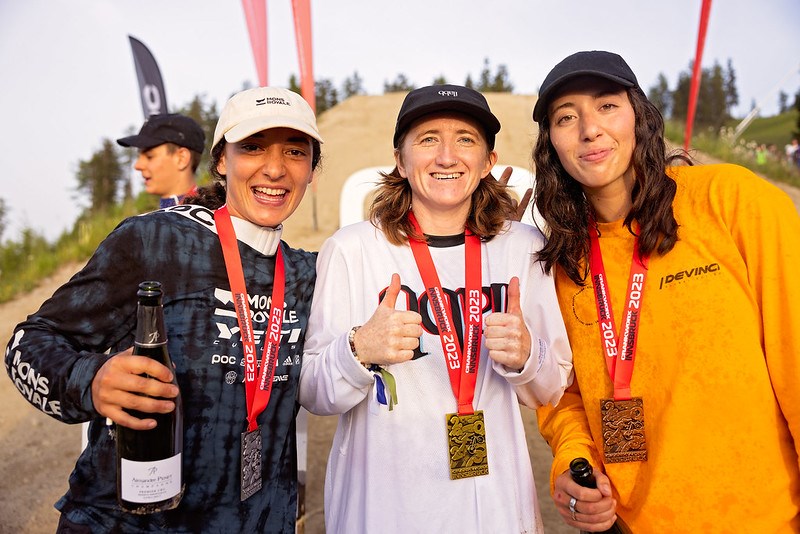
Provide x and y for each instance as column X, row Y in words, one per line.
column 151, row 86
column 302, row 30
column 694, row 88
column 255, row 14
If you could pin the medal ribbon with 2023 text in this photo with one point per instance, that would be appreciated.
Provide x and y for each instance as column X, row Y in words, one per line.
column 257, row 388
column 462, row 365
column 466, row 429
column 619, row 349
column 257, row 391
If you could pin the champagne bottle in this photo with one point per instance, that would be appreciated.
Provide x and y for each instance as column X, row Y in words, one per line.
column 581, row 472
column 149, row 473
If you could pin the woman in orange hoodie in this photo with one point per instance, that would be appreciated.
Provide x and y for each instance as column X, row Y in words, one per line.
column 679, row 290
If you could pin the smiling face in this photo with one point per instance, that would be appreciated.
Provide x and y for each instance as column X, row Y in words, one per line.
column 592, row 128
column 444, row 156
column 267, row 175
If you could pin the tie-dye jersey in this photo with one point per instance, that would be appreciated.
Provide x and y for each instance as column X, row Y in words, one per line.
column 54, row 355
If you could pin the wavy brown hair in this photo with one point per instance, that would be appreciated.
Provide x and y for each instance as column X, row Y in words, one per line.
column 565, row 210
column 490, row 207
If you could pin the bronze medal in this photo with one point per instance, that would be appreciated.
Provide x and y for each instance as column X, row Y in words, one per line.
column 251, row 463
column 466, row 439
column 623, row 430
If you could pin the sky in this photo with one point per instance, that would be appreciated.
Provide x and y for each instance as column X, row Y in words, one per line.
column 69, row 81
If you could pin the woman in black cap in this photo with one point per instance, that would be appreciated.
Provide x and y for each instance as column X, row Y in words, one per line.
column 429, row 326
column 679, row 291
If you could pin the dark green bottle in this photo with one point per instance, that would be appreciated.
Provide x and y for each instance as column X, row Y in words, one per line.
column 149, row 462
column 581, row 471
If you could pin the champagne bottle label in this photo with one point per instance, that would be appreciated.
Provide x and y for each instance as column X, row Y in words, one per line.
column 148, row 482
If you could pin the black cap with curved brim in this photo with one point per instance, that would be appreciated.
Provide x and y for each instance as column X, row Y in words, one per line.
column 167, row 128
column 590, row 63
column 438, row 98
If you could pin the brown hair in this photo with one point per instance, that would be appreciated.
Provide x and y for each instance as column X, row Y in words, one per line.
column 565, row 210
column 490, row 206
column 196, row 156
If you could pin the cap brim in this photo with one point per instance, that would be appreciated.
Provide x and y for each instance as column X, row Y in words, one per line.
column 249, row 127
column 487, row 119
column 540, row 108
column 140, row 141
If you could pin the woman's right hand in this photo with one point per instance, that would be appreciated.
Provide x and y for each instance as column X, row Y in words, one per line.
column 119, row 384
column 595, row 509
column 389, row 336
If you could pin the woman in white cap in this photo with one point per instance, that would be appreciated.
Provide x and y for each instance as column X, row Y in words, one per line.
column 679, row 289
column 430, row 325
column 266, row 146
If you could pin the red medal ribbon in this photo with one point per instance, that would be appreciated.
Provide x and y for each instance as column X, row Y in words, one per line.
column 619, row 349
column 257, row 393
column 462, row 365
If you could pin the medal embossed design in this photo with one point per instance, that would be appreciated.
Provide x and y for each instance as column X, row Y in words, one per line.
column 251, row 463
column 623, row 430
column 466, row 438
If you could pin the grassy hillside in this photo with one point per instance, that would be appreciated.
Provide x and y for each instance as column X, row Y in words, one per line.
column 776, row 130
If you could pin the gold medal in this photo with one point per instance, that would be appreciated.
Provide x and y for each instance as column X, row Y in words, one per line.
column 623, row 430
column 466, row 439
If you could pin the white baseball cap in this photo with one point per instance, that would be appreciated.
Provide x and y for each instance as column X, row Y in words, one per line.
column 262, row 108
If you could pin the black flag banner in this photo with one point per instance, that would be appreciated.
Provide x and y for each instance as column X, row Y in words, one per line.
column 151, row 87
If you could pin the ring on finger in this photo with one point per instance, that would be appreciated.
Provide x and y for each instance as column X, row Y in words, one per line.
column 572, row 502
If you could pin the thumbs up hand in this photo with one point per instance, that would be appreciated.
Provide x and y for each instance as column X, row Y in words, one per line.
column 390, row 336
column 506, row 335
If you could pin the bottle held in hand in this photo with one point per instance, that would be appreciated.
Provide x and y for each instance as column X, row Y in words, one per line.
column 581, row 472
column 149, row 471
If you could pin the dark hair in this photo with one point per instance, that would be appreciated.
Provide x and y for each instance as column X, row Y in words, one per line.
column 565, row 210
column 213, row 196
column 490, row 207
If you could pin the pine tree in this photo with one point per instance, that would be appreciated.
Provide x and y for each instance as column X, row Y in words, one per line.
column 783, row 102
column 796, row 132
column 3, row 212
column 354, row 85
column 660, row 96
column 294, row 85
column 400, row 84
column 99, row 178
column 731, row 93
column 326, row 95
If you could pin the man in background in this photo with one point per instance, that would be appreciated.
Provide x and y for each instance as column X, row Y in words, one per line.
column 170, row 146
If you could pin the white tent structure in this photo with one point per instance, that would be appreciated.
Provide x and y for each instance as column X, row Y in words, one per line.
column 353, row 201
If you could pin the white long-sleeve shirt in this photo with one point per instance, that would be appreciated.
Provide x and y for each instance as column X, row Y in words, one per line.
column 388, row 471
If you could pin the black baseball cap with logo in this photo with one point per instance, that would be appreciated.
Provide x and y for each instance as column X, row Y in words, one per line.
column 437, row 98
column 167, row 128
column 589, row 63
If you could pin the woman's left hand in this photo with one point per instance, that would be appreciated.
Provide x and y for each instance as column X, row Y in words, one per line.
column 506, row 335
